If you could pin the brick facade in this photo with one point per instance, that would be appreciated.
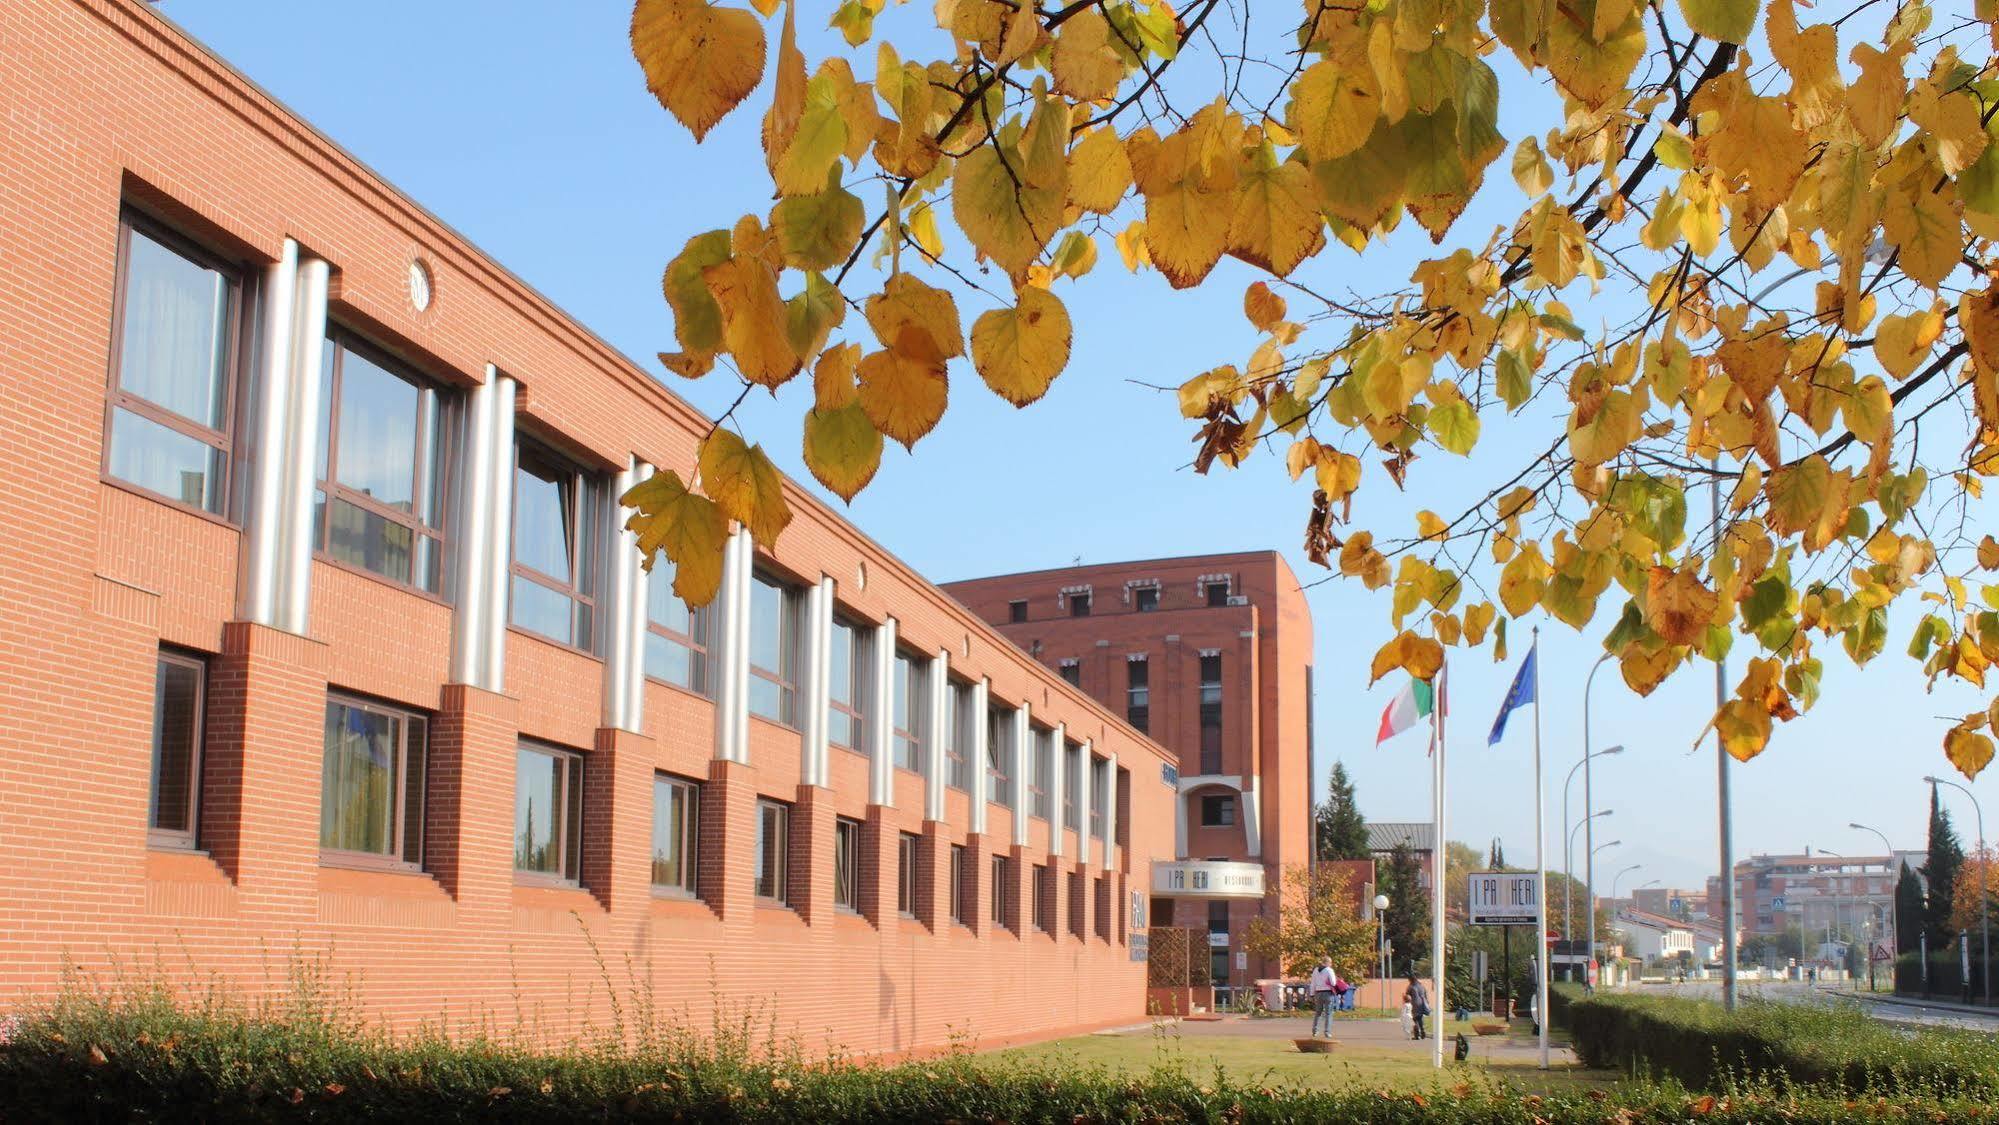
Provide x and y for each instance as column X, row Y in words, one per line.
column 105, row 106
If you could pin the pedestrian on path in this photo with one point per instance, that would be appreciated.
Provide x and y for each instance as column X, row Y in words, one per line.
column 1323, row 984
column 1418, row 999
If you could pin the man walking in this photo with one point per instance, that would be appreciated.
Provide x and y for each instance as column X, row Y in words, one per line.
column 1322, row 984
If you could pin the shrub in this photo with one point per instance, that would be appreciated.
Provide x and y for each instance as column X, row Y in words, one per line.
column 142, row 1057
column 1698, row 1043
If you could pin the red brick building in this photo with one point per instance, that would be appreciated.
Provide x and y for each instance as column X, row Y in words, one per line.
column 321, row 642
column 1212, row 656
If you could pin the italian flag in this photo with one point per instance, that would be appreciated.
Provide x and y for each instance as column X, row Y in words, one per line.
column 1413, row 703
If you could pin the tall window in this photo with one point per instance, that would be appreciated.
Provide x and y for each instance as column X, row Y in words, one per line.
column 179, row 684
column 1072, row 780
column 1072, row 671
column 1079, row 604
column 557, row 510
column 1099, row 794
column 1138, row 693
column 958, row 737
column 906, row 858
column 175, row 342
column 1016, row 612
column 548, row 812
column 1078, row 906
column 999, row 753
column 1145, row 599
column 907, row 708
column 676, row 633
column 847, row 686
column 1040, row 772
column 773, row 851
column 1211, row 713
column 1044, row 900
column 1002, row 877
column 1218, row 811
column 676, row 828
column 371, row 781
column 774, row 651
column 382, row 446
column 960, row 898
column 847, row 864
column 1216, row 593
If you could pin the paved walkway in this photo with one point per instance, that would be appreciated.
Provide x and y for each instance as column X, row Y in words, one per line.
column 1381, row 1032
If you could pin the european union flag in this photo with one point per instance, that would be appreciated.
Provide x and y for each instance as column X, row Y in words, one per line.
column 1520, row 694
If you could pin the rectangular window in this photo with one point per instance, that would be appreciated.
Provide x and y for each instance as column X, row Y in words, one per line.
column 1099, row 794
column 1145, row 599
column 1016, row 612
column 1044, row 902
column 179, row 694
column 676, row 633
column 548, row 812
column 676, row 835
column 774, row 611
column 773, row 851
column 911, row 695
column 958, row 737
column 557, row 510
column 1103, row 908
column 847, row 864
column 1079, row 907
column 960, row 899
column 906, row 858
column 382, row 449
column 1072, row 780
column 372, row 781
column 1218, row 916
column 1138, row 693
column 847, row 685
column 1002, row 871
column 1218, row 811
column 1040, row 772
column 1216, row 593
column 1072, row 671
column 999, row 754
column 1211, row 713
column 1079, row 604
column 176, row 339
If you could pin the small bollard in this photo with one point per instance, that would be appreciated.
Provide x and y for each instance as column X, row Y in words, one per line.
column 1463, row 1050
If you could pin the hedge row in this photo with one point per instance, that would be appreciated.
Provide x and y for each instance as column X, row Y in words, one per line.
column 152, row 1061
column 1705, row 1047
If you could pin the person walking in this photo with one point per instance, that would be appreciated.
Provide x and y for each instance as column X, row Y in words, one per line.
column 1323, row 985
column 1418, row 999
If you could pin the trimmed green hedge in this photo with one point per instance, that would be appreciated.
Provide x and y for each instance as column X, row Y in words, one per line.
column 145, row 1059
column 1698, row 1043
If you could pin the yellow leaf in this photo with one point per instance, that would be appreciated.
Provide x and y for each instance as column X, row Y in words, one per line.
column 1188, row 180
column 787, row 102
column 1523, row 580
column 1798, row 495
column 1922, row 226
column 818, row 231
column 1429, row 525
column 744, row 484
column 1968, row 750
column 1019, row 351
column 833, row 376
column 1743, row 727
column 700, row 61
column 1597, row 435
column 903, row 395
column 1874, row 100
column 1009, row 201
column 1593, row 71
column 842, row 448
column 1746, row 488
column 1333, row 108
column 1131, row 246
column 1868, row 410
column 1729, row 21
column 1421, row 657
column 688, row 527
column 1988, row 553
column 1084, row 64
column 1277, row 223
column 813, row 153
column 1530, row 168
column 1099, row 171
column 1755, row 141
column 1677, row 606
column 697, row 318
column 752, row 314
column 906, row 303
column 1263, row 308
column 1700, row 218
column 1902, row 342
column 1338, row 474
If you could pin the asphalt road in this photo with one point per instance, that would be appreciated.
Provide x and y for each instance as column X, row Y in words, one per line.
column 1791, row 992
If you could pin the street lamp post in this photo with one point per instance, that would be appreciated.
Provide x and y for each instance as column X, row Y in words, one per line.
column 1589, row 802
column 1895, row 882
column 1381, row 942
column 1984, row 898
column 1568, row 853
column 1568, row 850
column 1832, row 926
column 1621, row 874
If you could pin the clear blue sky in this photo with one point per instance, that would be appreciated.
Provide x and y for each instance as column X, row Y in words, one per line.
column 527, row 127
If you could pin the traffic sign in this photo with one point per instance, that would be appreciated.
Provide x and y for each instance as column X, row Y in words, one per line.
column 1553, row 937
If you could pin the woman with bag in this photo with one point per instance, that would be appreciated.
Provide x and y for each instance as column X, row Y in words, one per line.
column 1417, row 1000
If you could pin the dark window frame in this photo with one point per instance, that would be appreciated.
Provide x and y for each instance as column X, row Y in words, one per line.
column 1079, row 603
column 339, row 342
column 790, row 634
column 909, row 706
column 1001, row 769
column 407, row 820
column 1071, row 671
column 586, row 547
column 175, row 839
column 1145, row 599
column 1218, row 810
column 860, row 655
column 1041, row 741
column 1001, row 867
column 957, row 749
column 908, row 857
column 1208, row 593
column 688, row 836
column 568, row 836
column 1138, row 693
column 774, row 855
column 1043, row 897
column 1099, row 810
column 235, row 359
column 695, row 641
column 1016, row 611
column 960, row 901
column 847, row 865
column 1210, row 702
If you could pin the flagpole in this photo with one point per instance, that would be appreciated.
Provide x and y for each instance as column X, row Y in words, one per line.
column 1540, row 862
column 1440, row 712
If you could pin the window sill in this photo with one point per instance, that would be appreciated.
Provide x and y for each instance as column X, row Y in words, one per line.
column 564, row 646
column 338, row 874
column 536, row 880
column 766, row 720
column 383, row 579
column 144, row 493
column 682, row 688
column 364, row 861
column 855, row 750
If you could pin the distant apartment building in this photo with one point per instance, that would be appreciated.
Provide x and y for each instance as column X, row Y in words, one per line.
column 1670, row 902
column 1212, row 656
column 1814, row 890
column 1653, row 937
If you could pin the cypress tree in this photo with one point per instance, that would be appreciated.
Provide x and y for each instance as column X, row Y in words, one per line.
column 1341, row 830
column 1909, row 919
column 1940, row 871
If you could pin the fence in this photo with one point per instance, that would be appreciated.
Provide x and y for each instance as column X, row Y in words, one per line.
column 1945, row 980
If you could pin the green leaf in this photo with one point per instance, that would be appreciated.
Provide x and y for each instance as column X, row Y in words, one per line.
column 1729, row 21
column 1516, row 382
column 1766, row 601
column 1455, row 426
column 842, row 448
column 818, row 231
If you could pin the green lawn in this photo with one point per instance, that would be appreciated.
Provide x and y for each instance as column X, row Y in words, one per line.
column 1367, row 1060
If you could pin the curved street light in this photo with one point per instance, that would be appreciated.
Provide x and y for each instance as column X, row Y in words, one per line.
column 1889, row 848
column 1568, row 854
column 1589, row 802
column 1984, row 897
column 1568, row 880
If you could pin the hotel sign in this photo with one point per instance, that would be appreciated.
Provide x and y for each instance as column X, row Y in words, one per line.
column 1504, row 898
column 1207, row 879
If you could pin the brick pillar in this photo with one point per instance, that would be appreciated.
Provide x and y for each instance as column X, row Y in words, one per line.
column 978, row 883
column 881, row 867
column 933, row 869
column 1057, row 889
column 617, row 822
column 262, row 763
column 1019, row 892
column 728, row 840
column 469, row 828
column 809, row 878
